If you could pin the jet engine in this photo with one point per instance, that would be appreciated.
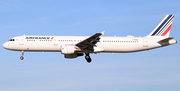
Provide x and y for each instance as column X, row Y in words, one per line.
column 67, row 49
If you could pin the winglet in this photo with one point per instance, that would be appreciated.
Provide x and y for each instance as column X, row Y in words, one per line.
column 102, row 32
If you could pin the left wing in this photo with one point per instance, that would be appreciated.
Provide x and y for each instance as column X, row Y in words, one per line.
column 90, row 42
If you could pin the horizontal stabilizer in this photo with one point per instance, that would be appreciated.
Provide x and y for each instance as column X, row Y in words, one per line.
column 165, row 40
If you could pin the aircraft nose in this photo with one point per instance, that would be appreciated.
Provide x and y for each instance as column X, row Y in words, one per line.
column 5, row 45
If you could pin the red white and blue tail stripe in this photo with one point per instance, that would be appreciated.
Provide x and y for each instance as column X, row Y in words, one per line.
column 164, row 27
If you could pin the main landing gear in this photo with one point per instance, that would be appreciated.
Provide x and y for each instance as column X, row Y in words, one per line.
column 22, row 55
column 87, row 57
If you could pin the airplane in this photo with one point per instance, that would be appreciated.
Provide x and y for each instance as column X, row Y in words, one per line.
column 75, row 46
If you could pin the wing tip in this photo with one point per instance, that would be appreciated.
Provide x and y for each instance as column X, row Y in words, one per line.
column 102, row 32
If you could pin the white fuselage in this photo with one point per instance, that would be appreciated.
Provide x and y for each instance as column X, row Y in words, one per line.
column 75, row 46
column 106, row 44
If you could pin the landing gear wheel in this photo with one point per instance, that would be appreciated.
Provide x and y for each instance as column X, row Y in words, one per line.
column 88, row 59
column 21, row 57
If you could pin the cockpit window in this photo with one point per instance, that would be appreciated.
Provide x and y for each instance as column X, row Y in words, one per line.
column 12, row 40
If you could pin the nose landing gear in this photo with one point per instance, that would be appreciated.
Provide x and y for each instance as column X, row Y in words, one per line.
column 22, row 55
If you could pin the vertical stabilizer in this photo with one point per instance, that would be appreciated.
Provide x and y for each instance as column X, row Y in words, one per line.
column 164, row 27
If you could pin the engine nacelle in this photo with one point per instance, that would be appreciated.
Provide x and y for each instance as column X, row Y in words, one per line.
column 74, row 55
column 67, row 49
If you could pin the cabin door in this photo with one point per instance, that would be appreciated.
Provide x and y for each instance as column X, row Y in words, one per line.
column 145, row 44
column 55, row 41
column 21, row 41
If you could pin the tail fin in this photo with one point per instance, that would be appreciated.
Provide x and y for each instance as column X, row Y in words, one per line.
column 164, row 27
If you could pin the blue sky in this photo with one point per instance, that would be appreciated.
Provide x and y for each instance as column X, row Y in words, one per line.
column 153, row 70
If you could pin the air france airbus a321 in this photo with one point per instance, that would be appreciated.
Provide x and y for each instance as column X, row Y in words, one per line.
column 75, row 46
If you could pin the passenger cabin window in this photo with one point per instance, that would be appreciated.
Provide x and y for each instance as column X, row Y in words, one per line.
column 12, row 40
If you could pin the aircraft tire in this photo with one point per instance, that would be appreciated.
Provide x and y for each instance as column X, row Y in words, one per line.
column 21, row 57
column 88, row 59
